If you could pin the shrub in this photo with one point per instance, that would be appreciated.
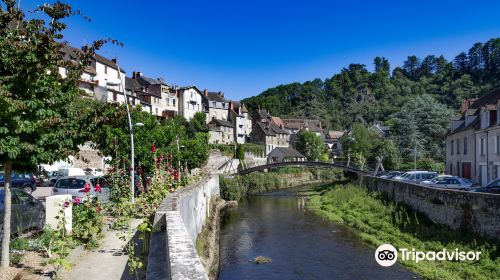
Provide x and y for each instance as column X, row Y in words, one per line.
column 88, row 221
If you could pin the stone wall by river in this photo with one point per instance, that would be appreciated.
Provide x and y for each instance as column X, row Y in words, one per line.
column 469, row 211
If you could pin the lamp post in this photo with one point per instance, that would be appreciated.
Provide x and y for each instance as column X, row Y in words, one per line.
column 131, row 131
column 178, row 153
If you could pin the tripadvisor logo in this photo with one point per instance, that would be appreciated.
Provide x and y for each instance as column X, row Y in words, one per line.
column 386, row 255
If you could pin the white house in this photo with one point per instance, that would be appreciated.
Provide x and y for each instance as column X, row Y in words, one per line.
column 97, row 76
column 238, row 115
column 190, row 102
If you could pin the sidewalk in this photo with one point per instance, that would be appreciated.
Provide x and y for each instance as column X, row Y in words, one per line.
column 108, row 262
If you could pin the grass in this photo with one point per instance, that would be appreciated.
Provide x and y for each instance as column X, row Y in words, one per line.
column 377, row 221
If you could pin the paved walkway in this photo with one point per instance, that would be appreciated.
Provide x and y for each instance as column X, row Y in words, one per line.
column 108, row 262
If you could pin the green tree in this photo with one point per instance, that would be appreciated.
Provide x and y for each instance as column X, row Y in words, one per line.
column 360, row 141
column 422, row 122
column 197, row 124
column 390, row 153
column 310, row 145
column 39, row 121
column 240, row 152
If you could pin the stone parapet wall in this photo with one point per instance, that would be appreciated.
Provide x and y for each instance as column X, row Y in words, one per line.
column 469, row 211
column 177, row 223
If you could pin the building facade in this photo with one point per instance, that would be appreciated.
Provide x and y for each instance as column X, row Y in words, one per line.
column 473, row 141
column 220, row 132
column 269, row 135
column 190, row 102
column 238, row 116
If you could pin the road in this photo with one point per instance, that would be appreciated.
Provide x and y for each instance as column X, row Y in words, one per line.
column 41, row 193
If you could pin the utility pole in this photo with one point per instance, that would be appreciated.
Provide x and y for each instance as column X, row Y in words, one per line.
column 415, row 161
column 178, row 153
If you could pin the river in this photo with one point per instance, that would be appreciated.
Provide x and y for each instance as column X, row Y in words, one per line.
column 300, row 244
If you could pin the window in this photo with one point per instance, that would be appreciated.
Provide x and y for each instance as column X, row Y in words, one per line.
column 451, row 168
column 458, row 168
column 465, row 145
column 22, row 197
column 70, row 183
column 458, row 146
column 498, row 144
column 452, row 145
column 105, row 69
column 173, row 102
column 482, row 146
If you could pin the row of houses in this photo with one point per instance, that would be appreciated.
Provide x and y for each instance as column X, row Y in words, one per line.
column 473, row 141
column 229, row 121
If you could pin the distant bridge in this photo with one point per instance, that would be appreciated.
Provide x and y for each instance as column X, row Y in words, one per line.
column 341, row 165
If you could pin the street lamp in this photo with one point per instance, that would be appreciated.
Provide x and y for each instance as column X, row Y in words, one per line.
column 131, row 130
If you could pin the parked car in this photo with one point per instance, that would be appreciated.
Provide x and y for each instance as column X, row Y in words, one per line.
column 448, row 182
column 70, row 171
column 74, row 186
column 492, row 187
column 26, row 211
column 93, row 171
column 24, row 181
column 416, row 176
column 391, row 174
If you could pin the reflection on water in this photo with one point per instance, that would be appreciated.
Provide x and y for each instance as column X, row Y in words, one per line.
column 300, row 244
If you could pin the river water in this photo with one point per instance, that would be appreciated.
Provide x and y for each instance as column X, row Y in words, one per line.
column 301, row 244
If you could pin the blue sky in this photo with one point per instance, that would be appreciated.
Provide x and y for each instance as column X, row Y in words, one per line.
column 244, row 47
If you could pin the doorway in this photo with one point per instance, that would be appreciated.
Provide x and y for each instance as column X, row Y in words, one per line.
column 466, row 170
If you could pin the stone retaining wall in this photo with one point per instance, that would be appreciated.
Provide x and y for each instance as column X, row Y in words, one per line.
column 469, row 211
column 177, row 223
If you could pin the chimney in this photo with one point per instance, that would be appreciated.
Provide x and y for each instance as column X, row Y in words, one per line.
column 221, row 93
column 466, row 104
column 114, row 60
column 135, row 74
column 231, row 105
column 205, row 92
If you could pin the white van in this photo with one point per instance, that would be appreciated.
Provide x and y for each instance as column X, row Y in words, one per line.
column 70, row 171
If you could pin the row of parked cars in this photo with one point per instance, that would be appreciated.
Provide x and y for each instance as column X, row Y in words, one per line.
column 28, row 212
column 432, row 179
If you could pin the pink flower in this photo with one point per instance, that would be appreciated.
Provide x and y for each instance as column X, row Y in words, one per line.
column 86, row 188
column 66, row 204
column 76, row 200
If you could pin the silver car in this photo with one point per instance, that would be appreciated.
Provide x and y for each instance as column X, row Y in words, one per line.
column 27, row 212
column 75, row 186
column 448, row 182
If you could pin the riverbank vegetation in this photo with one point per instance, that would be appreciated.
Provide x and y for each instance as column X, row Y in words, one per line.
column 377, row 221
column 239, row 187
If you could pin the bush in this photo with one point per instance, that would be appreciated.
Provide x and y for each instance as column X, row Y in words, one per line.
column 88, row 221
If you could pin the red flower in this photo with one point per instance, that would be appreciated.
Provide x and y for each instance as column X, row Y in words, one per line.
column 86, row 188
column 153, row 148
column 76, row 200
column 176, row 175
column 98, row 209
column 97, row 188
column 172, row 190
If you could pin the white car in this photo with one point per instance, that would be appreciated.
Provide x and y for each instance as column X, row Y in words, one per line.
column 416, row 176
column 75, row 186
column 448, row 182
